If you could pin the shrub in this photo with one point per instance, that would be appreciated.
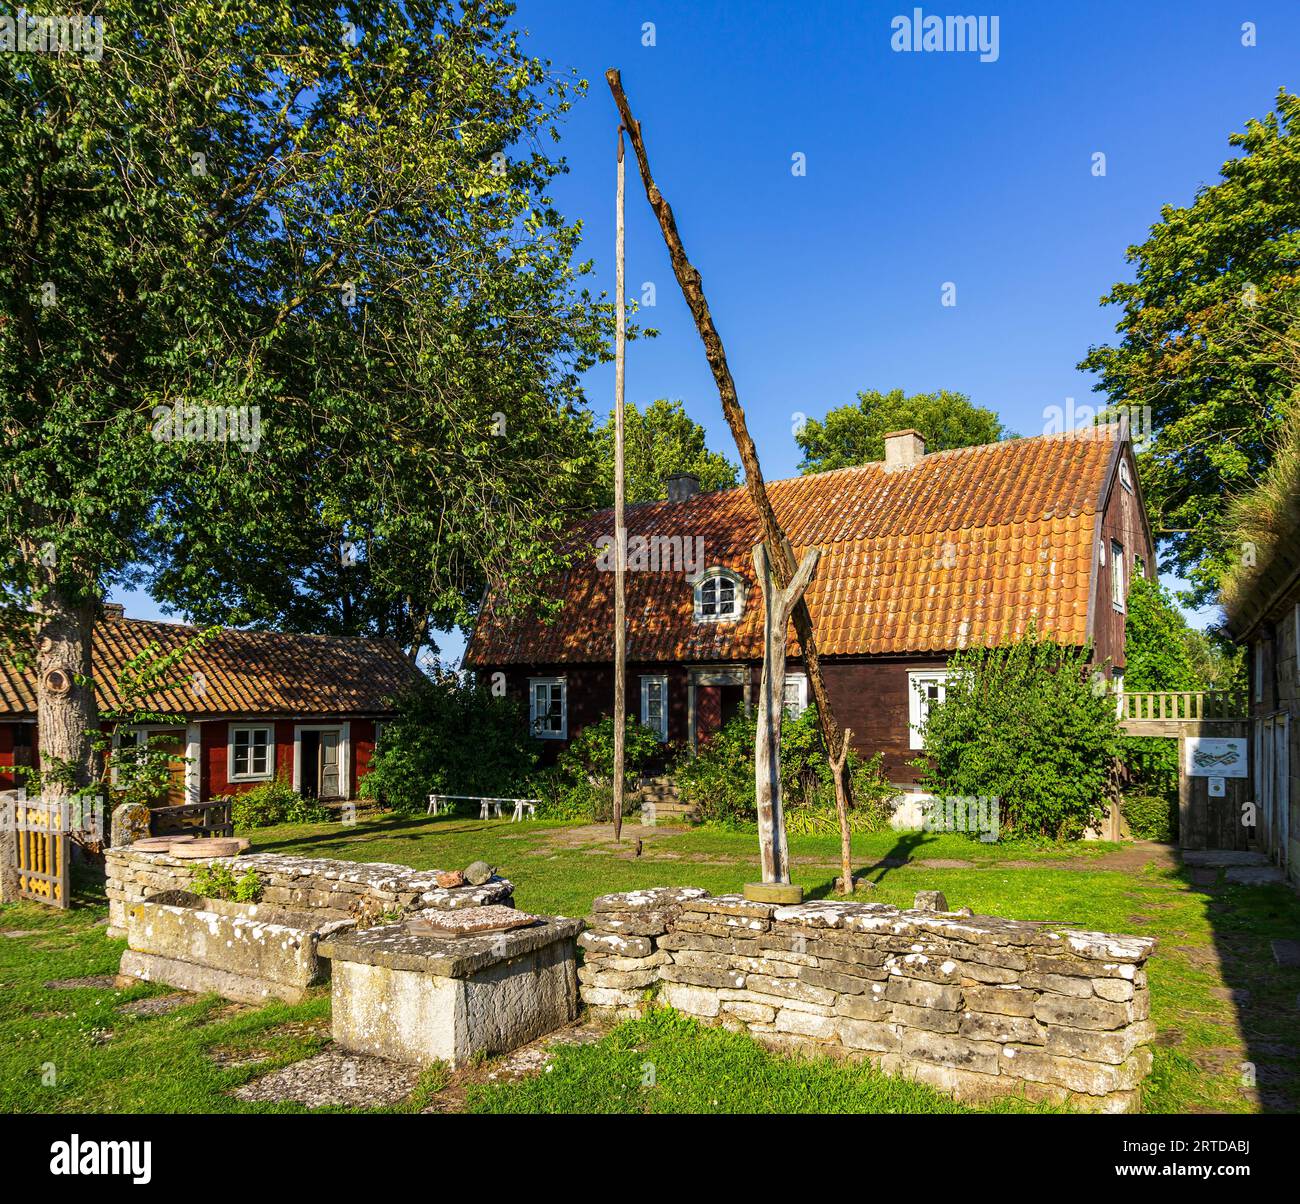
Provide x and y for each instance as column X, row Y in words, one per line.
column 273, row 803
column 1151, row 816
column 1029, row 725
column 581, row 786
column 218, row 881
column 719, row 780
column 450, row 737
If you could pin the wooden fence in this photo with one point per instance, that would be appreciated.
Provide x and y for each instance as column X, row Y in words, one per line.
column 193, row 819
column 1182, row 706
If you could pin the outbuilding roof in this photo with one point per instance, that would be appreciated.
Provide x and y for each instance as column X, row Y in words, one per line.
column 236, row 673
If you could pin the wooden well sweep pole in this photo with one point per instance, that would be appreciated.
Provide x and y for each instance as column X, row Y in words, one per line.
column 779, row 550
column 620, row 530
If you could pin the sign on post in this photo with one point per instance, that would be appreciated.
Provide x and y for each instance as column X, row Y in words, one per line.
column 1215, row 757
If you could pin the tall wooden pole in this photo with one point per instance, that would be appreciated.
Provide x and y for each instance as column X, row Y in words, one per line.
column 779, row 550
column 620, row 530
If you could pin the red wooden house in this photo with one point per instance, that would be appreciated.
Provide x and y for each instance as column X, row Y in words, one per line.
column 253, row 705
column 921, row 555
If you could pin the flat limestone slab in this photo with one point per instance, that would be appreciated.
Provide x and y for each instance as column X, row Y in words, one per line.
column 207, row 980
column 422, row 999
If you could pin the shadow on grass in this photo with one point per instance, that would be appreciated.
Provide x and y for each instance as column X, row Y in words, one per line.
column 899, row 855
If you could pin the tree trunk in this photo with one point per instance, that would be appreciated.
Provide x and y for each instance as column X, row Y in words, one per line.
column 838, row 764
column 66, row 708
column 781, row 556
column 777, row 605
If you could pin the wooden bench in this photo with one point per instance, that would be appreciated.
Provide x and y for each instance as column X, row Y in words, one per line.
column 521, row 807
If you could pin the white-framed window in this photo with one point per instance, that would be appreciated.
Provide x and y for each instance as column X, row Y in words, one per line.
column 1118, row 592
column 719, row 597
column 1117, row 684
column 795, row 701
column 548, row 708
column 1125, row 476
column 252, row 754
column 654, row 705
column 925, row 689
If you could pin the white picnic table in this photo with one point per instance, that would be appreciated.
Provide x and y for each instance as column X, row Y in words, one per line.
column 520, row 807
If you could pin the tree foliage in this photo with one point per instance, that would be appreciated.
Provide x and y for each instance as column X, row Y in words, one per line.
column 1204, row 329
column 333, row 227
column 854, row 434
column 1030, row 725
column 662, row 440
column 450, row 737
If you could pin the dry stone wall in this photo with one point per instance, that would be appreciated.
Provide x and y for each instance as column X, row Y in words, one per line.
column 362, row 889
column 974, row 1005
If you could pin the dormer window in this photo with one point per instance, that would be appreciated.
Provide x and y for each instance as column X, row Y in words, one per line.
column 719, row 597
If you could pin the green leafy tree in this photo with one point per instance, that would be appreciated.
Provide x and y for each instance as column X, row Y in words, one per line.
column 450, row 737
column 1203, row 332
column 855, row 434
column 279, row 278
column 662, row 440
column 581, row 783
column 1030, row 725
column 1158, row 655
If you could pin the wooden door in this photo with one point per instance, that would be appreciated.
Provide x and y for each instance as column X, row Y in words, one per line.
column 330, row 775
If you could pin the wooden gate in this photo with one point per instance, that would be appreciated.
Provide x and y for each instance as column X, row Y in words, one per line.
column 41, row 851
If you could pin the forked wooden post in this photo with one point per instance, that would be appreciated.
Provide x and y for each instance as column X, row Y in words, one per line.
column 778, row 604
column 842, row 806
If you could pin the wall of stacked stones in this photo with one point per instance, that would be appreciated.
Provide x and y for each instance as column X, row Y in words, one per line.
column 366, row 890
column 973, row 1005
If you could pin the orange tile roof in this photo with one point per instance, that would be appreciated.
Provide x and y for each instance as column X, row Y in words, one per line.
column 965, row 547
column 245, row 673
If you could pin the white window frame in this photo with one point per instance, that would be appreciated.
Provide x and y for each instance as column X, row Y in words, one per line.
column 648, row 681
column 799, row 680
column 738, row 587
column 1117, row 684
column 1125, row 475
column 533, row 683
column 1118, row 592
column 269, row 775
column 916, row 678
column 344, row 730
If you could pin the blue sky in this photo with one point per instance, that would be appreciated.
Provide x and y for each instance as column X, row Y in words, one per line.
column 921, row 169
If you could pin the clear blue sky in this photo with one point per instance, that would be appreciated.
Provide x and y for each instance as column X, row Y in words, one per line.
column 921, row 169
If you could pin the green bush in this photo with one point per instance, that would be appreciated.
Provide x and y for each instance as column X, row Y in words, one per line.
column 581, row 785
column 450, row 737
column 1151, row 816
column 1027, row 724
column 719, row 780
column 273, row 803
column 218, row 881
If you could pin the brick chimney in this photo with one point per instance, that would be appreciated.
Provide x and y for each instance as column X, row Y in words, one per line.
column 903, row 449
column 682, row 485
column 113, row 610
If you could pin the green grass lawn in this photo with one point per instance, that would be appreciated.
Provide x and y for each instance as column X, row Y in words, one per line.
column 1218, row 998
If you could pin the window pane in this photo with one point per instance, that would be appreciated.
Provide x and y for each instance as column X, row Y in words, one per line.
column 726, row 596
column 709, row 597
